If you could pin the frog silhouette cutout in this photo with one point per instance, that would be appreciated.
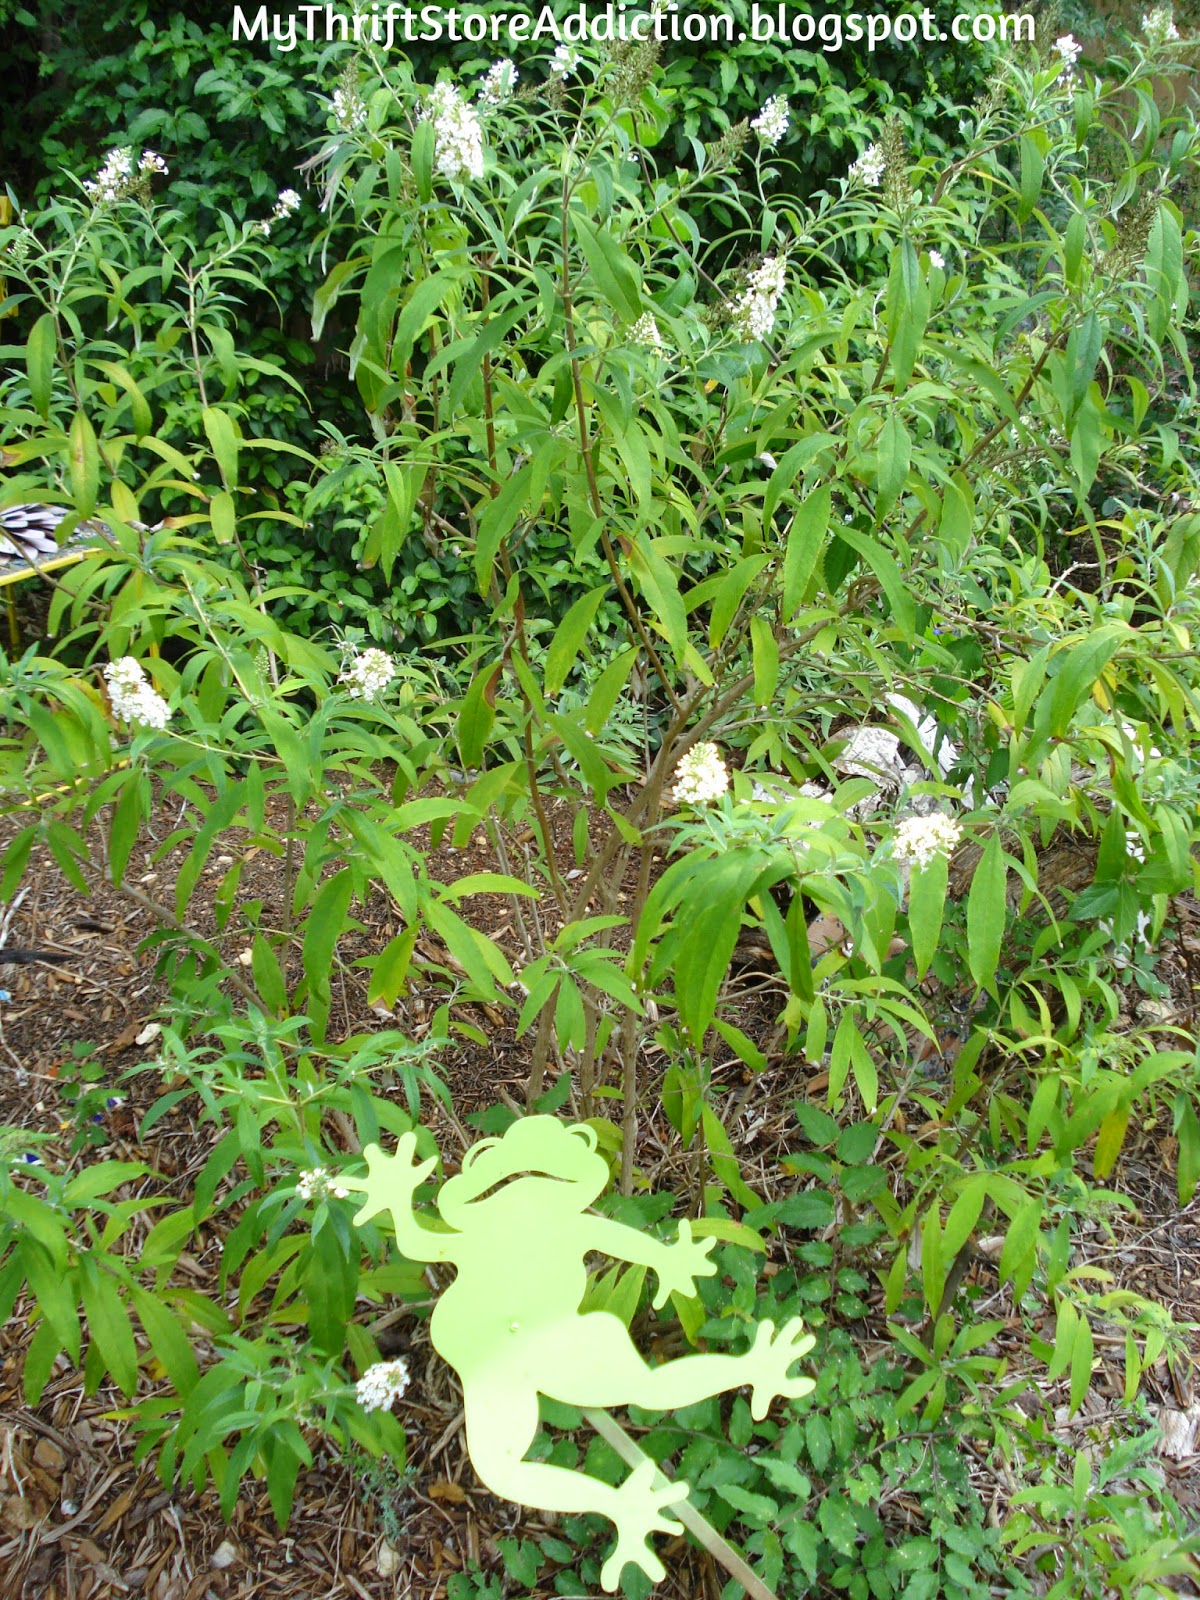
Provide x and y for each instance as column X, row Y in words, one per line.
column 518, row 1230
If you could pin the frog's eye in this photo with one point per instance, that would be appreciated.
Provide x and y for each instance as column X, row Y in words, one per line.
column 477, row 1149
column 584, row 1132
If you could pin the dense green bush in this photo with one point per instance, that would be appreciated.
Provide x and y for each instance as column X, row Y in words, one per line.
column 955, row 499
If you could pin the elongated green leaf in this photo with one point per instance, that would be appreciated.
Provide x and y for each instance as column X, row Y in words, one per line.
column 615, row 275
column 926, row 907
column 894, row 450
column 986, row 909
column 325, row 924
column 223, row 437
column 496, row 521
column 83, row 465
column 729, row 594
column 883, row 564
column 109, row 1325
column 805, row 539
column 477, row 715
column 569, row 637
column 40, row 350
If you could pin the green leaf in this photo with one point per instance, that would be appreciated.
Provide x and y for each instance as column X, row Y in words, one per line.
column 764, row 655
column 883, row 564
column 109, row 1325
column 40, row 350
column 1187, row 1131
column 168, row 1341
column 223, row 437
column 268, row 977
column 424, row 137
column 569, row 636
column 615, row 275
column 805, row 540
column 729, row 593
column 1079, row 668
column 838, row 1523
column 660, row 588
column 130, row 809
column 926, row 907
column 391, row 969
column 1033, row 169
column 83, row 465
column 986, row 913
column 496, row 521
column 326, row 922
column 477, row 715
column 895, row 447
column 222, row 514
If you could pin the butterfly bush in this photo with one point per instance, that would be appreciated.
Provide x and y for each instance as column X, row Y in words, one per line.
column 316, row 1184
column 869, row 167
column 645, row 331
column 498, row 84
column 457, row 133
column 369, row 674
column 564, row 61
column 117, row 178
column 382, row 1385
column 755, row 309
column 348, row 110
column 288, row 202
column 134, row 699
column 700, row 777
column 921, row 840
column 1159, row 26
column 772, row 121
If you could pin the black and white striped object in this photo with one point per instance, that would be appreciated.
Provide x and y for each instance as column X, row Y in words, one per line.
column 29, row 531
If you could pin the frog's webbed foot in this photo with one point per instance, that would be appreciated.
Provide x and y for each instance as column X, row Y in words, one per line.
column 638, row 1513
column 768, row 1361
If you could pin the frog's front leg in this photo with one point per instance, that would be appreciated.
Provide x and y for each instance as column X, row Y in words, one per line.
column 501, row 1423
column 390, row 1184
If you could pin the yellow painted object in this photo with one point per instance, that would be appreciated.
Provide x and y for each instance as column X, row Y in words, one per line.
column 517, row 1226
column 18, row 570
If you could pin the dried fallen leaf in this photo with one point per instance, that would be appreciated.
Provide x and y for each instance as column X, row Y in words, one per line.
column 443, row 1490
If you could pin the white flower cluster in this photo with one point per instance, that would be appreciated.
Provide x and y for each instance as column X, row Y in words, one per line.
column 316, row 1184
column 564, row 61
column 457, row 133
column 1069, row 48
column 382, row 1385
column 288, row 202
column 920, row 839
column 1159, row 26
column 134, row 698
column 645, row 331
column 937, row 259
column 348, row 110
column 700, row 776
column 369, row 674
column 498, row 84
column 117, row 177
column 869, row 167
column 754, row 311
column 772, row 121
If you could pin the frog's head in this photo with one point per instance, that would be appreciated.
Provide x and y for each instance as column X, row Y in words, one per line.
column 534, row 1147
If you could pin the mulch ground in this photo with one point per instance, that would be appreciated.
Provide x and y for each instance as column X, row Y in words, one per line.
column 79, row 1520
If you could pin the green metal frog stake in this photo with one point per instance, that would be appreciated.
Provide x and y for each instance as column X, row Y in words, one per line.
column 518, row 1230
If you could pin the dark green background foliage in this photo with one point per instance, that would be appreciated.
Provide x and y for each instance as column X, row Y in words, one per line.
column 234, row 120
